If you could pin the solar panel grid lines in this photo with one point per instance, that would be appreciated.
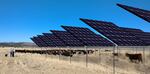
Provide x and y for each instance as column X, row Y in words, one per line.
column 146, row 37
column 41, row 40
column 35, row 42
column 56, row 41
column 144, row 14
column 88, row 37
column 114, row 33
column 67, row 38
column 105, row 24
column 140, row 34
column 48, row 42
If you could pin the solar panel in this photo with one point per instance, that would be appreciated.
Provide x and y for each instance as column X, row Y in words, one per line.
column 42, row 38
column 88, row 37
column 39, row 41
column 67, row 38
column 144, row 14
column 35, row 42
column 48, row 42
column 114, row 33
column 144, row 36
column 55, row 40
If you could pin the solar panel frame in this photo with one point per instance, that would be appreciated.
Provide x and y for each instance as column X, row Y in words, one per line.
column 144, row 14
column 114, row 33
column 88, row 37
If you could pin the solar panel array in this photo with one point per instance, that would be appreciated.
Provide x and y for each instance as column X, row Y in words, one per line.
column 114, row 33
column 88, row 37
column 144, row 36
column 144, row 14
column 67, row 38
column 55, row 40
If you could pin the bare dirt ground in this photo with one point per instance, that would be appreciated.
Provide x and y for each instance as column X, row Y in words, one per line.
column 44, row 64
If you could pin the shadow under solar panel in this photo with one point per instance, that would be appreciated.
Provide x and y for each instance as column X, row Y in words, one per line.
column 88, row 37
column 67, row 38
column 55, row 40
column 144, row 14
column 114, row 33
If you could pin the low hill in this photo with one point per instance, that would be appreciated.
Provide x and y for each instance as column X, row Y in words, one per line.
column 17, row 44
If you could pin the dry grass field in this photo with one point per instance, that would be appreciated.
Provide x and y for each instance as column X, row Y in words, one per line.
column 100, row 62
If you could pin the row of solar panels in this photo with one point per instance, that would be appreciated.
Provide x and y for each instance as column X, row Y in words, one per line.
column 73, row 36
column 78, row 36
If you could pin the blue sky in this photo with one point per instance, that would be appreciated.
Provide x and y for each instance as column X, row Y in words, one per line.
column 22, row 19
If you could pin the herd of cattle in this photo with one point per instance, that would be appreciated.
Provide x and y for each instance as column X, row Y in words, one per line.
column 67, row 53
column 70, row 53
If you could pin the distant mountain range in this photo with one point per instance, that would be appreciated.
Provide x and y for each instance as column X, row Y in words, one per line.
column 17, row 44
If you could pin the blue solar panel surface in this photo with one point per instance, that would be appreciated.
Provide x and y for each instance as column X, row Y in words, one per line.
column 140, row 34
column 43, row 39
column 144, row 14
column 67, row 38
column 55, row 40
column 35, row 42
column 88, row 37
column 114, row 33
column 48, row 42
column 40, row 42
column 146, row 37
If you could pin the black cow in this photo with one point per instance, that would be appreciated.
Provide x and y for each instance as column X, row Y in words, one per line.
column 135, row 57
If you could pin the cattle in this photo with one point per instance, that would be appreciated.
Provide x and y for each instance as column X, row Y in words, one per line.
column 115, row 54
column 67, row 53
column 58, row 52
column 107, row 50
column 134, row 57
column 6, row 55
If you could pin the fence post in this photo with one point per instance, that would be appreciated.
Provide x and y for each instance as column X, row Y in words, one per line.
column 59, row 49
column 99, row 56
column 114, row 59
column 70, row 54
column 144, row 59
column 86, row 56
column 136, row 49
column 149, row 49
